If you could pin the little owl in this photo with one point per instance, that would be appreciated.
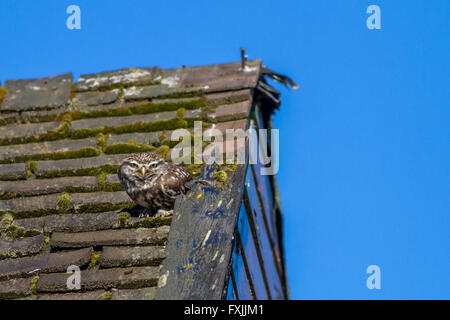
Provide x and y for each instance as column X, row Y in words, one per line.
column 152, row 182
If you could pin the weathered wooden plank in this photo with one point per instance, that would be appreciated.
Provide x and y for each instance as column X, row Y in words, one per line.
column 243, row 285
column 200, row 243
column 266, row 204
column 266, row 187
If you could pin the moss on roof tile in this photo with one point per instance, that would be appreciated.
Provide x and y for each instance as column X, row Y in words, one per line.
column 119, row 148
column 3, row 93
column 81, row 153
column 171, row 124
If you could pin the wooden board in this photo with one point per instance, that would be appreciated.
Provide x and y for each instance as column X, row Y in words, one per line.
column 201, row 239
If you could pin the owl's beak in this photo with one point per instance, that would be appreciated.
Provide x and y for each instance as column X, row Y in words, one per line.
column 143, row 171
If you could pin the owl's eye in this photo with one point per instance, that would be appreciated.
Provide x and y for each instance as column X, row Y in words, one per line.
column 133, row 165
column 154, row 165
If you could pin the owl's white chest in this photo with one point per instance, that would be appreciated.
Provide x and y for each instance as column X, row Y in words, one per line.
column 140, row 200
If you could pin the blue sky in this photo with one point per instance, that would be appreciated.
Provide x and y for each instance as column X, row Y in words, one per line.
column 365, row 166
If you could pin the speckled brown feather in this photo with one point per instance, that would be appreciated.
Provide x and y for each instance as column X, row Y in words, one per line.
column 159, row 186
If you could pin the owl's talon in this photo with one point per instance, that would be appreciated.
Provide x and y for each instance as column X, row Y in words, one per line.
column 148, row 213
column 164, row 213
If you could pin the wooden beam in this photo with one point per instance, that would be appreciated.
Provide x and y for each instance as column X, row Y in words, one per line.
column 201, row 240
